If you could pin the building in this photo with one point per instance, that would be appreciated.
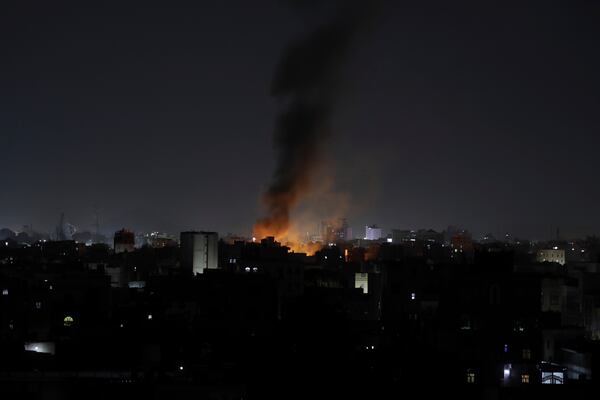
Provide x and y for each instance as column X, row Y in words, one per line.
column 554, row 255
column 361, row 281
column 124, row 241
column 373, row 232
column 199, row 251
column 333, row 231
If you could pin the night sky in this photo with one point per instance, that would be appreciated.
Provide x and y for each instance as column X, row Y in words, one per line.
column 160, row 115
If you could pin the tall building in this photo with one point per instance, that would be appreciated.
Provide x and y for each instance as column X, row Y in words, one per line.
column 124, row 241
column 554, row 255
column 333, row 231
column 372, row 232
column 199, row 251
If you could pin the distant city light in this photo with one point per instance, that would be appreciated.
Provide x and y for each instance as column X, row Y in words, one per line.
column 149, row 316
column 40, row 347
column 389, row 240
column 413, row 295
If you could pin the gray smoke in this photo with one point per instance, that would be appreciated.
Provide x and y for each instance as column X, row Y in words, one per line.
column 307, row 82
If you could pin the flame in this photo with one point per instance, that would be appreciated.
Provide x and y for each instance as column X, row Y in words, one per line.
column 287, row 236
column 290, row 216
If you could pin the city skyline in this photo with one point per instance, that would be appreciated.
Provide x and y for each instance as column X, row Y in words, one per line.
column 162, row 119
column 299, row 199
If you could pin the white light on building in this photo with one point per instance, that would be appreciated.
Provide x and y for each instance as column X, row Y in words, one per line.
column 372, row 232
column 507, row 368
column 41, row 347
column 199, row 251
column 361, row 281
column 552, row 378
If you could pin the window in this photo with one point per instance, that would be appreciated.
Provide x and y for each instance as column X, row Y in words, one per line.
column 68, row 321
column 552, row 378
column 526, row 354
column 470, row 377
column 4, row 292
column 524, row 378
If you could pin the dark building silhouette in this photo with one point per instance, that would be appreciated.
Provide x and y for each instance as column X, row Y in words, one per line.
column 124, row 241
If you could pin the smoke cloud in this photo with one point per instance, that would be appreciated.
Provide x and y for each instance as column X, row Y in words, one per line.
column 307, row 82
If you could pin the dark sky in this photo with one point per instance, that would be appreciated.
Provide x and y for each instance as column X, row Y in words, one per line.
column 160, row 116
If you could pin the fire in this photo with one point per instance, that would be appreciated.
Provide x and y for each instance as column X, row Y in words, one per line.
column 285, row 235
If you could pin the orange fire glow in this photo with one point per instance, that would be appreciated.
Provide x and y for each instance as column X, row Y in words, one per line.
column 287, row 236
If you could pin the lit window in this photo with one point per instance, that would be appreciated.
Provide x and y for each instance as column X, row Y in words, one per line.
column 470, row 377
column 68, row 321
column 525, row 378
column 4, row 292
column 526, row 354
column 552, row 378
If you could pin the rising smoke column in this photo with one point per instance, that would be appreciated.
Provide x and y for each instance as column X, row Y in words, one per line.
column 307, row 83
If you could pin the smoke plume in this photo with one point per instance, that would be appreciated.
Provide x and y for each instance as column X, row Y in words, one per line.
column 307, row 83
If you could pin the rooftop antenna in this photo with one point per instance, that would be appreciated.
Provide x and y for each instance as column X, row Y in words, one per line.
column 96, row 224
column 60, row 228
